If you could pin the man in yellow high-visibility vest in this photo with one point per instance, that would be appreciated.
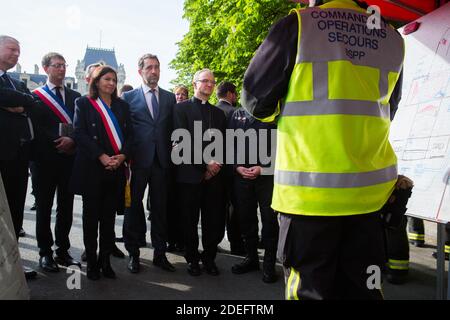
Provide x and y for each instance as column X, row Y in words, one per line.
column 329, row 75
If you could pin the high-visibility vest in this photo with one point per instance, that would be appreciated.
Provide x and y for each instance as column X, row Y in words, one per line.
column 333, row 153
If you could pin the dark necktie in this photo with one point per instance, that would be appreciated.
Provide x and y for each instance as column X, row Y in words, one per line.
column 155, row 104
column 6, row 81
column 58, row 93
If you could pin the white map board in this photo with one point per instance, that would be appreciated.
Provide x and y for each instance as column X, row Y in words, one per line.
column 12, row 279
column 420, row 132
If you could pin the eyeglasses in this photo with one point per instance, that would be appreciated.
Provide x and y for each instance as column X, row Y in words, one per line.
column 207, row 81
column 59, row 65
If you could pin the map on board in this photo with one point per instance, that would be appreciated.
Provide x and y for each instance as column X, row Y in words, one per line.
column 12, row 279
column 420, row 131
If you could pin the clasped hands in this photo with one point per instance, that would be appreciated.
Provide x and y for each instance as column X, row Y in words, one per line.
column 249, row 173
column 212, row 169
column 111, row 163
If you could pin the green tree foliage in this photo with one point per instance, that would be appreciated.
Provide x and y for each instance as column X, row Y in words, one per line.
column 224, row 35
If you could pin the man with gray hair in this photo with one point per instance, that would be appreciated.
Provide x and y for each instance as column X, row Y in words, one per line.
column 201, row 185
column 16, row 133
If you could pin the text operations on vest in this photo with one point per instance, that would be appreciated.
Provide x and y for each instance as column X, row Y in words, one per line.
column 353, row 29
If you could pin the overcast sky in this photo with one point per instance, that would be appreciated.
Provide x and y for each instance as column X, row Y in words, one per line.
column 132, row 28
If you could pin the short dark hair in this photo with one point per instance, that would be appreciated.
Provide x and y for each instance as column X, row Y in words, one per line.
column 95, row 78
column 225, row 87
column 47, row 59
column 144, row 57
column 125, row 88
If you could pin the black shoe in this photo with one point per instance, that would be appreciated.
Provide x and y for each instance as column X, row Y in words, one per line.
column 163, row 263
column 417, row 243
column 211, row 268
column 48, row 264
column 93, row 272
column 116, row 252
column 83, row 256
column 269, row 276
column 246, row 265
column 133, row 264
column 22, row 233
column 29, row 273
column 434, row 254
column 33, row 207
column 66, row 260
column 193, row 269
column 397, row 276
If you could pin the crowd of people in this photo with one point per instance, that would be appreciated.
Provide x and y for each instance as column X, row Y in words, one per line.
column 106, row 143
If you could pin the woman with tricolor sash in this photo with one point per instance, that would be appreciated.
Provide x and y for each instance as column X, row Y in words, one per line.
column 103, row 135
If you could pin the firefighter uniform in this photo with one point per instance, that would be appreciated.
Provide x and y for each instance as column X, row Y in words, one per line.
column 335, row 167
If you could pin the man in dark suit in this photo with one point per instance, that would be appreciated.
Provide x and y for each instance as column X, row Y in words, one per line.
column 201, row 181
column 151, row 113
column 54, row 150
column 227, row 95
column 16, row 133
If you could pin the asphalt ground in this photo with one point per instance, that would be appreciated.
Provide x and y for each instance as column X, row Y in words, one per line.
column 153, row 283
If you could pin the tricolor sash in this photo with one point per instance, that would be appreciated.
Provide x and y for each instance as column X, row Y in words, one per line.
column 55, row 104
column 110, row 123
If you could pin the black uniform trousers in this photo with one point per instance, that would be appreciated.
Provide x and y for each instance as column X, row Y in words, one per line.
column 397, row 248
column 135, row 224
column 15, row 180
column 175, row 234
column 329, row 257
column 50, row 177
column 416, row 229
column 209, row 198
column 234, row 233
column 249, row 194
column 99, row 213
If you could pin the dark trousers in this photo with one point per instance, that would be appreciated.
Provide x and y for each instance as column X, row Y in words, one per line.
column 234, row 233
column 328, row 257
column 15, row 180
column 135, row 224
column 174, row 218
column 249, row 194
column 51, row 177
column 416, row 229
column 207, row 197
column 99, row 212
column 397, row 247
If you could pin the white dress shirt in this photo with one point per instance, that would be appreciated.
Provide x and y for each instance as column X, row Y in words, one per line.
column 148, row 97
column 52, row 87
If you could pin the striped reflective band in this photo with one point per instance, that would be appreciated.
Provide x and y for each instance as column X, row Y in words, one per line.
column 398, row 264
column 336, row 180
column 416, row 236
column 348, row 107
column 293, row 285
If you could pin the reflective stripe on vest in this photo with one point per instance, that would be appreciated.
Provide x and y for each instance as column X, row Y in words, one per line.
column 333, row 152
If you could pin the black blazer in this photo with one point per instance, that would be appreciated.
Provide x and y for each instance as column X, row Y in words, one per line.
column 92, row 141
column 14, row 128
column 185, row 114
column 151, row 136
column 227, row 108
column 46, row 125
